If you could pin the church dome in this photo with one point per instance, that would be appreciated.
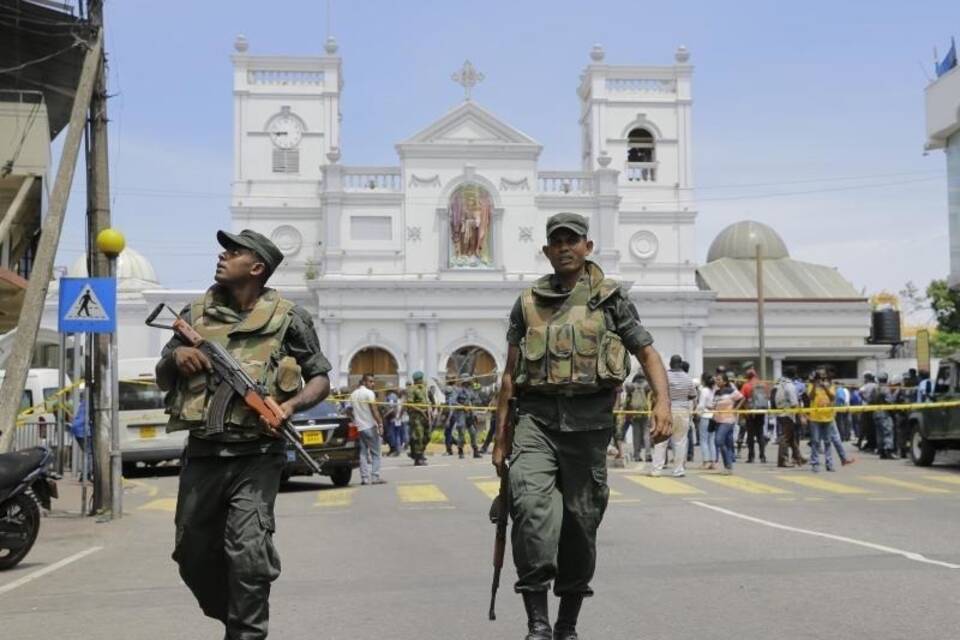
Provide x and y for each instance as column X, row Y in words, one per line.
column 134, row 271
column 740, row 240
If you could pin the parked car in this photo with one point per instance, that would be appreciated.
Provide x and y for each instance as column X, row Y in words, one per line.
column 933, row 430
column 331, row 438
column 143, row 422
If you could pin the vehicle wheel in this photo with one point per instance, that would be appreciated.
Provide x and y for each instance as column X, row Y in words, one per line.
column 922, row 452
column 340, row 476
column 19, row 516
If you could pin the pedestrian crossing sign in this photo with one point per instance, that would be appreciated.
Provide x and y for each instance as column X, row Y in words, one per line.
column 88, row 305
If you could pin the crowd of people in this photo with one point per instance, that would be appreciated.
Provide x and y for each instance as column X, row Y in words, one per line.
column 721, row 414
column 726, row 417
column 403, row 419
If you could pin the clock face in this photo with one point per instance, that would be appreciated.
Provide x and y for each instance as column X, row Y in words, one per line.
column 285, row 131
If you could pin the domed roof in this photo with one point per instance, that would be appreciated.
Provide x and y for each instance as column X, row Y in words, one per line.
column 740, row 240
column 130, row 264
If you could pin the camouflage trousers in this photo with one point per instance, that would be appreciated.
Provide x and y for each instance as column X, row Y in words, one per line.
column 419, row 435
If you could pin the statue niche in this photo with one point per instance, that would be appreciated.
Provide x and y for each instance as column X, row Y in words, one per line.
column 471, row 214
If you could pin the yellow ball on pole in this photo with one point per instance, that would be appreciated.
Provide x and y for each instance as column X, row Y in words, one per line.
column 111, row 242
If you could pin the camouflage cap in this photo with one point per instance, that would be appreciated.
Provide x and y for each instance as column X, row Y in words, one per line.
column 417, row 376
column 256, row 242
column 573, row 221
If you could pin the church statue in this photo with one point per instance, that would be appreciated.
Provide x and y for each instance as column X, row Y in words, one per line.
column 471, row 211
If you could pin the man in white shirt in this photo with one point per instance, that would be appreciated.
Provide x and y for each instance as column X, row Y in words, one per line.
column 682, row 394
column 369, row 425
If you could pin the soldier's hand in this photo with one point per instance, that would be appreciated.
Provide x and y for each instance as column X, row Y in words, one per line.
column 662, row 422
column 499, row 459
column 191, row 361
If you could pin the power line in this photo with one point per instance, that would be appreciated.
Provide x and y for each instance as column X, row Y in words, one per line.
column 29, row 63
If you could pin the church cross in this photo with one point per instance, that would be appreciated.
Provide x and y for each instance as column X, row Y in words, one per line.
column 468, row 77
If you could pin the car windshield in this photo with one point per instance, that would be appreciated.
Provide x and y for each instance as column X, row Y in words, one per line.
column 322, row 410
column 140, row 395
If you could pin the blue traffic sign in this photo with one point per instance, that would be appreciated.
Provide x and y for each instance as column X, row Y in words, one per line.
column 88, row 305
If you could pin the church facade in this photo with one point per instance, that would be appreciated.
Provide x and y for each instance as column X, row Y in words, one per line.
column 415, row 266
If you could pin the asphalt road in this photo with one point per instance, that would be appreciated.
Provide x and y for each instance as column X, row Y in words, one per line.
column 871, row 551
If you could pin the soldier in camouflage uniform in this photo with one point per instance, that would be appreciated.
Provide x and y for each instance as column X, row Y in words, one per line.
column 229, row 481
column 569, row 338
column 417, row 402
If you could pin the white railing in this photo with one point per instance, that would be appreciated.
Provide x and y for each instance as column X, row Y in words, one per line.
column 641, row 172
column 641, row 85
column 372, row 179
column 268, row 76
column 565, row 182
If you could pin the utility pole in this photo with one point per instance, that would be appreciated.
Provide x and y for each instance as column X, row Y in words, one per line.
column 18, row 363
column 761, row 329
column 98, row 219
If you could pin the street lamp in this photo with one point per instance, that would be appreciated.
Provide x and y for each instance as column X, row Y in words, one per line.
column 110, row 242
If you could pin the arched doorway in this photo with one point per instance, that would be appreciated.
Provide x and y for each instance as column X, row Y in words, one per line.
column 474, row 363
column 377, row 361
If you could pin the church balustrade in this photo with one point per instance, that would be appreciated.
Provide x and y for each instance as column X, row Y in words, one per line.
column 281, row 77
column 641, row 172
column 372, row 179
column 565, row 182
column 641, row 85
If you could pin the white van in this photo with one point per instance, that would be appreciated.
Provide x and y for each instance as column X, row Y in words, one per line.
column 40, row 389
column 143, row 434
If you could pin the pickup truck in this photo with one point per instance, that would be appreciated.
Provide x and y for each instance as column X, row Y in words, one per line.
column 933, row 430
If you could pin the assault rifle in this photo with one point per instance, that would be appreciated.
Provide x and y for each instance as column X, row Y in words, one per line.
column 233, row 383
column 500, row 513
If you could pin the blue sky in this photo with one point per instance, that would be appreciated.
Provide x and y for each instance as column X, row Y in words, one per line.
column 820, row 104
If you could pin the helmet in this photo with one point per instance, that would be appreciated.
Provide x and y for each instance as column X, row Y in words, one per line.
column 417, row 376
column 882, row 376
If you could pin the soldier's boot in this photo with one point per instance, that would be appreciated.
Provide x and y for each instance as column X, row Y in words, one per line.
column 538, row 616
column 566, row 627
column 460, row 452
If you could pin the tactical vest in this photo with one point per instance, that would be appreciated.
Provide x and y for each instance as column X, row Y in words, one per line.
column 256, row 342
column 568, row 348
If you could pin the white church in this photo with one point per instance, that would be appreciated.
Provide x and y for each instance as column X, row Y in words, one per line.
column 415, row 266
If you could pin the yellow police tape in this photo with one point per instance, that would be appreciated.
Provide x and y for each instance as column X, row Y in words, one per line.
column 913, row 406
column 48, row 405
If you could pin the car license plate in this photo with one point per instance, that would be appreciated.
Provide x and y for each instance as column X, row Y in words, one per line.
column 312, row 437
column 148, row 432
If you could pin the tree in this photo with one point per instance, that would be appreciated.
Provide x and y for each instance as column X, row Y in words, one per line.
column 945, row 303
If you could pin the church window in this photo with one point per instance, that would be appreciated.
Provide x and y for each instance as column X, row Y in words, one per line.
column 470, row 211
column 640, row 145
column 286, row 161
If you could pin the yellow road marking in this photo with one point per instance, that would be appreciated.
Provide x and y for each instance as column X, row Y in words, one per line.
column 160, row 504
column 152, row 491
column 490, row 488
column 334, row 498
column 742, row 484
column 945, row 478
column 625, row 500
column 667, row 486
column 824, row 485
column 903, row 484
column 421, row 493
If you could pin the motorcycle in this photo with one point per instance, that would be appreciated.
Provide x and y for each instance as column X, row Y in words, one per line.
column 25, row 485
